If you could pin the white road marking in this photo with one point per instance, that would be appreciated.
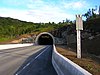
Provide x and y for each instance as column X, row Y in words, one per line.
column 32, row 60
column 9, row 46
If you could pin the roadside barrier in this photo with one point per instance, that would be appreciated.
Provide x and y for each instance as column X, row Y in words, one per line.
column 64, row 66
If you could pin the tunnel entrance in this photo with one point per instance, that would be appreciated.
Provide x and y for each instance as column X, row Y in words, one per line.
column 45, row 38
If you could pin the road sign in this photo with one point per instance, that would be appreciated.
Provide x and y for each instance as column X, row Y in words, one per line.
column 79, row 26
column 79, row 22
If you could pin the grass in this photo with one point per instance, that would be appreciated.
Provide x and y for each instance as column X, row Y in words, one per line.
column 89, row 66
column 3, row 39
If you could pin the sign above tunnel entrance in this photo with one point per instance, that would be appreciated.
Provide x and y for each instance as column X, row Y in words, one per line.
column 45, row 36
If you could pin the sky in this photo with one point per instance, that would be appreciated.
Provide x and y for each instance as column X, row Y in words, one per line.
column 45, row 10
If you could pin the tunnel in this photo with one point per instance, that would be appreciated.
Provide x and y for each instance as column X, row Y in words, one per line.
column 45, row 38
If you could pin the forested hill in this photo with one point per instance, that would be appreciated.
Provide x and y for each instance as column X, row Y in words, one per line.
column 11, row 28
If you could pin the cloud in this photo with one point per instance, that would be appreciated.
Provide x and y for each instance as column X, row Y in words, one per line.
column 15, row 13
column 32, row 15
column 76, row 5
column 43, row 11
column 49, row 16
column 46, row 11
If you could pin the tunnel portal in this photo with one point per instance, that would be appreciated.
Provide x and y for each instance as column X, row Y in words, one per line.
column 45, row 39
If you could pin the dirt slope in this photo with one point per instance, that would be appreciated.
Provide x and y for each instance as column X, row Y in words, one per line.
column 86, row 62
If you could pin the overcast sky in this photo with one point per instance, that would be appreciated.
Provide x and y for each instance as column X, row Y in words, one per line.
column 45, row 10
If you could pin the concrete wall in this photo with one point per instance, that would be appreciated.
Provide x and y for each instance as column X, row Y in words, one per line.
column 64, row 66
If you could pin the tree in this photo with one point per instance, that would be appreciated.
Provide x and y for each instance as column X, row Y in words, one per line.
column 90, row 14
column 99, row 11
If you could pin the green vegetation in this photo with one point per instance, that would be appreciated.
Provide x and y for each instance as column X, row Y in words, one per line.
column 92, row 13
column 92, row 22
column 12, row 28
column 2, row 39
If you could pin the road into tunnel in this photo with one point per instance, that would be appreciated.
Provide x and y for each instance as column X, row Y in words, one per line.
column 45, row 38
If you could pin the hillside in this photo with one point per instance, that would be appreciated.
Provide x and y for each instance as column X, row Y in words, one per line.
column 13, row 28
column 90, row 46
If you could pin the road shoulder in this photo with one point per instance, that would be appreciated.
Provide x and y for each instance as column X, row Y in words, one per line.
column 86, row 62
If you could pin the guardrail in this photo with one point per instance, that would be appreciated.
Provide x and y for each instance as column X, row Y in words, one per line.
column 64, row 66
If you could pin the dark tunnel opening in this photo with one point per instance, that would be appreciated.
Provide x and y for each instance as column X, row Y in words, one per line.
column 45, row 39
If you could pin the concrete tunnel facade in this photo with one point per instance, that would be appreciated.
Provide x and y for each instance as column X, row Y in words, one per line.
column 45, row 38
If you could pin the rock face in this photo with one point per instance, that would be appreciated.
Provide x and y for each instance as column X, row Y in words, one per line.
column 66, row 38
column 71, row 38
column 65, row 35
column 60, row 40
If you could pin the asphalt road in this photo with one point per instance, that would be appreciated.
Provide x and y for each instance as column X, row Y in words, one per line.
column 12, row 59
column 26, row 61
column 40, row 64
